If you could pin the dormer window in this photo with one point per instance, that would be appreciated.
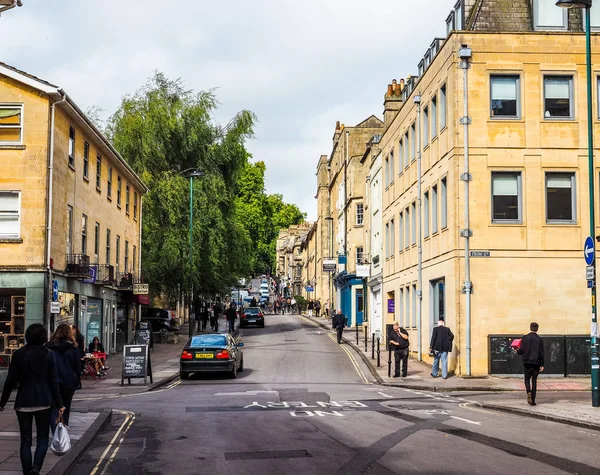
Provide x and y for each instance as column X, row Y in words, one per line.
column 547, row 16
column 458, row 16
column 450, row 23
column 421, row 67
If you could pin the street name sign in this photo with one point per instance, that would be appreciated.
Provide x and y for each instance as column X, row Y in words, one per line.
column 141, row 289
column 363, row 270
column 329, row 265
column 588, row 251
column 54, row 307
column 589, row 273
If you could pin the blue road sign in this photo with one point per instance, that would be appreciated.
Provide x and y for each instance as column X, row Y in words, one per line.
column 588, row 251
column 55, row 290
column 590, row 284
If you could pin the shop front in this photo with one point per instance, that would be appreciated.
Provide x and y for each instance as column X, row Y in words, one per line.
column 350, row 293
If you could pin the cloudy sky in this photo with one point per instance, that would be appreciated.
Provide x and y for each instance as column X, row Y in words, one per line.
column 299, row 65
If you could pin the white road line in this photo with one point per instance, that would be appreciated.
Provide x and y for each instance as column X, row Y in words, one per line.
column 246, row 393
column 466, row 420
column 129, row 419
column 385, row 395
column 467, row 405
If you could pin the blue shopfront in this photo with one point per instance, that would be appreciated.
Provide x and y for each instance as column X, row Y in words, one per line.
column 351, row 297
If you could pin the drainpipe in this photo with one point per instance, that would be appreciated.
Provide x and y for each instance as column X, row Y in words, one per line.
column 346, row 200
column 49, row 201
column 465, row 54
column 139, row 309
column 417, row 101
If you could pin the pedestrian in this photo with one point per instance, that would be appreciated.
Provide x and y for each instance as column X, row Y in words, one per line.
column 33, row 371
column 231, row 316
column 318, row 308
column 253, row 302
column 441, row 345
column 288, row 305
column 217, row 310
column 79, row 340
column 399, row 344
column 293, row 305
column 311, row 307
column 327, row 309
column 339, row 322
column 532, row 351
column 204, row 316
column 68, row 365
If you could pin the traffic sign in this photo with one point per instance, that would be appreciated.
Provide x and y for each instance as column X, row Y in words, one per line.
column 55, row 307
column 590, row 284
column 55, row 290
column 588, row 251
column 589, row 273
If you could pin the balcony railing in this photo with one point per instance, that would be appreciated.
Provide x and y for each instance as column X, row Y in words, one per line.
column 125, row 280
column 78, row 265
column 106, row 275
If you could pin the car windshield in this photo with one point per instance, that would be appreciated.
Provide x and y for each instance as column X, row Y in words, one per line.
column 252, row 311
column 208, row 340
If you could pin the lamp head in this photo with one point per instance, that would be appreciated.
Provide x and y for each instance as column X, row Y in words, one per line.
column 197, row 174
column 574, row 3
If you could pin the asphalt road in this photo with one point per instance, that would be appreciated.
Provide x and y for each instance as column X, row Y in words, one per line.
column 306, row 405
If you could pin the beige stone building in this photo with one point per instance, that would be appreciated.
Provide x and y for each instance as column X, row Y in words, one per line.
column 527, row 178
column 291, row 259
column 70, row 218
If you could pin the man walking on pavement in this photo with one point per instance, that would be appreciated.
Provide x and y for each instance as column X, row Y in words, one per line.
column 441, row 345
column 231, row 316
column 532, row 351
column 317, row 309
column 399, row 344
column 217, row 310
column 339, row 322
column 310, row 308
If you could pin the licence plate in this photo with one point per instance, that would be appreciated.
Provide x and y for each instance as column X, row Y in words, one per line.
column 205, row 356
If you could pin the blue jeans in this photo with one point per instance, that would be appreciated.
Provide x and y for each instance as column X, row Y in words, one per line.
column 443, row 355
column 42, row 423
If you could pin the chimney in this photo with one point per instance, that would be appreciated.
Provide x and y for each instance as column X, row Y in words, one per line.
column 392, row 102
column 337, row 125
column 338, row 132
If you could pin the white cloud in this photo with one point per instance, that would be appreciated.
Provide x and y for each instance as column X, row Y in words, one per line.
column 300, row 66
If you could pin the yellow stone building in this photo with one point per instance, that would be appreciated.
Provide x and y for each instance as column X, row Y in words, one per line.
column 525, row 107
column 70, row 218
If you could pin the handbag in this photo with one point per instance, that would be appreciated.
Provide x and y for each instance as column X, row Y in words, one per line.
column 61, row 442
column 516, row 344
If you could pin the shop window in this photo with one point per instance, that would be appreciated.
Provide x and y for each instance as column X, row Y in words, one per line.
column 68, row 310
column 12, row 323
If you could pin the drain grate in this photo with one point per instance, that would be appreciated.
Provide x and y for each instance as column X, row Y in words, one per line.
column 267, row 455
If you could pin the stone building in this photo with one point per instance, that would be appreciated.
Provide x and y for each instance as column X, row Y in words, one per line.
column 526, row 175
column 70, row 218
column 290, row 259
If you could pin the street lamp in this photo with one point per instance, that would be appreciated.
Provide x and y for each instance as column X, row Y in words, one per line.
column 193, row 174
column 587, row 4
column 6, row 5
column 330, row 219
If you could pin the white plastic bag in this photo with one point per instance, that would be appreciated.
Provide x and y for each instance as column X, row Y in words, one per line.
column 61, row 442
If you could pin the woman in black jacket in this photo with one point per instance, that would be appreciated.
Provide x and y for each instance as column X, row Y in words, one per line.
column 63, row 344
column 33, row 370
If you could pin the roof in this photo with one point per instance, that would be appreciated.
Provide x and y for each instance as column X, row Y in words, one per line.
column 57, row 94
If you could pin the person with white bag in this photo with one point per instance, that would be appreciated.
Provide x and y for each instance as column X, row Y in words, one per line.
column 33, row 370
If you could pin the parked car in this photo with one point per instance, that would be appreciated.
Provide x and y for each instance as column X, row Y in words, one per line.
column 211, row 352
column 252, row 316
column 159, row 319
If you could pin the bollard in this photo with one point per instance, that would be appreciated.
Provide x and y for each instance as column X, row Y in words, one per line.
column 378, row 355
column 366, row 341
column 390, row 363
column 373, row 347
column 356, row 333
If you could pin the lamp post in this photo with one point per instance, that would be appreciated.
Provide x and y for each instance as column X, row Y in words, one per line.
column 330, row 219
column 6, row 5
column 587, row 5
column 194, row 174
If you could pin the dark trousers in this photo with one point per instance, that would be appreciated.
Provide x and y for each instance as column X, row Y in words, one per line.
column 231, row 325
column 42, row 423
column 340, row 332
column 66, row 394
column 204, row 323
column 532, row 372
column 401, row 355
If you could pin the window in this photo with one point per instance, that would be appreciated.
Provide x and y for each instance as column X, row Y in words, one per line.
column 86, row 160
column 135, row 204
column 594, row 16
column 401, row 307
column 434, row 209
column 433, row 117
column 425, row 126
column 504, row 96
column 108, row 247
column 97, row 241
column 71, row 147
column 387, row 172
column 98, row 172
column 444, row 204
column 401, row 232
column 438, row 300
column 117, row 252
column 134, row 269
column 10, row 214
column 119, row 187
column 413, row 223
column 407, row 228
column 11, row 124
column 557, row 97
column 547, row 16
column 387, row 240
column 442, row 107
column 84, row 220
column 560, row 197
column 414, row 306
column 360, row 251
column 126, row 256
column 426, row 214
column 506, row 197
column 360, row 214
column 406, row 150
column 109, row 184
column 392, row 238
column 407, row 300
column 450, row 23
column 400, row 156
column 413, row 145
column 391, row 167
column 127, row 194
column 458, row 15
column 69, row 229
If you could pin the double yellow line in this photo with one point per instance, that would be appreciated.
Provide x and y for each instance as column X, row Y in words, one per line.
column 122, row 432
column 352, row 359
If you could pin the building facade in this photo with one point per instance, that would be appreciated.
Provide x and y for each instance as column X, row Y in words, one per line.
column 70, row 218
column 525, row 171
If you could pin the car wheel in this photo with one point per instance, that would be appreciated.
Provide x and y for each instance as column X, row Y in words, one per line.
column 184, row 375
column 241, row 370
column 262, row 325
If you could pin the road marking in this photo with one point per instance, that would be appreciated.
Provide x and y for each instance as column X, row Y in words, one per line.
column 466, row 405
column 352, row 360
column 127, row 423
column 438, row 411
column 246, row 393
column 466, row 420
column 385, row 395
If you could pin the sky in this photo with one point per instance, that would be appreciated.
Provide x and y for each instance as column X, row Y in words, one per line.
column 299, row 66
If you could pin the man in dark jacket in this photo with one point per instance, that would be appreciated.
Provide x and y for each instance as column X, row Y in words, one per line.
column 441, row 345
column 231, row 316
column 339, row 322
column 217, row 310
column 532, row 351
column 399, row 345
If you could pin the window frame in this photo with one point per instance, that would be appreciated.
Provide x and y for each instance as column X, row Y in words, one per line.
column 98, row 172
column 84, row 225
column 443, row 107
column 135, row 205
column 519, row 176
column 407, row 227
column 406, row 149
column 434, row 210
column 96, row 241
column 72, row 143
column 86, row 161
column 444, row 200
column 537, row 27
column 433, row 117
column 414, row 305
column 109, row 183
column 126, row 258
column 392, row 237
column 360, row 255
column 119, row 190
column 387, row 240
column 360, row 212
column 517, row 78
column 387, row 172
column 69, row 241
column 401, row 231
column 425, row 134
column 413, row 138
column 7, row 213
column 117, row 252
column 20, row 127
column 426, row 214
column 573, row 175
column 134, row 257
column 392, row 171
column 570, row 78
column 107, row 254
column 413, row 223
column 127, row 198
